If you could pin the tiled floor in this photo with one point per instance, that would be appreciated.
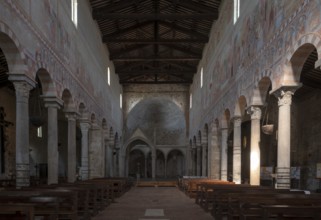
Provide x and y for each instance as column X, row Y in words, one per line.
column 154, row 203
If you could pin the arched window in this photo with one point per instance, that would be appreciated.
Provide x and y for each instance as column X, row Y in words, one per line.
column 74, row 12
column 236, row 10
column 202, row 77
column 108, row 75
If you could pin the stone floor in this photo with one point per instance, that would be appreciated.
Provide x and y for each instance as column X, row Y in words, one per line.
column 154, row 203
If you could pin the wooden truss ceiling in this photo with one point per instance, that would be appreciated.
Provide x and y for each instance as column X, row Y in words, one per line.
column 155, row 41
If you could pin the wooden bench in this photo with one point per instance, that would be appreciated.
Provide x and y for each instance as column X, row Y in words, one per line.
column 253, row 206
column 9, row 211
column 45, row 206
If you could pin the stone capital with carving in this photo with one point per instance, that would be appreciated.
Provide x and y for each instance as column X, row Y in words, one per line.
column 52, row 102
column 255, row 112
column 285, row 98
column 72, row 116
column 237, row 121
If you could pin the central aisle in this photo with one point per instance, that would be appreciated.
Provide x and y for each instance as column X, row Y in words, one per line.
column 154, row 203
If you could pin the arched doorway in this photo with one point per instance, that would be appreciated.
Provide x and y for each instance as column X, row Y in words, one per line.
column 138, row 157
column 160, row 164
column 305, row 120
column 175, row 164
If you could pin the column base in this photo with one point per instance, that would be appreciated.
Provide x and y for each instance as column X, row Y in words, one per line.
column 84, row 173
column 283, row 180
column 224, row 175
column 22, row 175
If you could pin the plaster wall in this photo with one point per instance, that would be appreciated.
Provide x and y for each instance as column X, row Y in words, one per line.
column 74, row 56
column 239, row 55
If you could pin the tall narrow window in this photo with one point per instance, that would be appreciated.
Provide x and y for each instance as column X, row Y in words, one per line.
column 74, row 12
column 108, row 75
column 121, row 100
column 190, row 100
column 236, row 10
column 39, row 132
column 201, row 77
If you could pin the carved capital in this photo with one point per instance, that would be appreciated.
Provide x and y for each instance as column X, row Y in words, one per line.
column 237, row 121
column 22, row 89
column 255, row 112
column 84, row 127
column 285, row 98
column 71, row 116
column 52, row 102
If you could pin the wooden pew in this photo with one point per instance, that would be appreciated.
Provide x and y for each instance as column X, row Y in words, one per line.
column 9, row 211
column 290, row 212
column 192, row 186
column 276, row 205
column 43, row 205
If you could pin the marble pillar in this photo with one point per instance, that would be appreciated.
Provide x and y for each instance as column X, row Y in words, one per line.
column 237, row 151
column 154, row 164
column 52, row 104
column 84, row 127
column 22, row 85
column 72, row 169
column 214, row 153
column 224, row 134
column 283, row 180
column 198, row 160
column 204, row 159
column 145, row 168
column 255, row 155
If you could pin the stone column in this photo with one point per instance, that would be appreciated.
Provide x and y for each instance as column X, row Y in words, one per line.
column 153, row 164
column 106, row 156
column 190, row 162
column 96, row 162
column 52, row 104
column 255, row 155
column 214, row 153
column 198, row 160
column 71, row 116
column 204, row 159
column 84, row 127
column 111, row 156
column 145, row 168
column 22, row 85
column 165, row 166
column 237, row 151
column 224, row 132
column 284, row 140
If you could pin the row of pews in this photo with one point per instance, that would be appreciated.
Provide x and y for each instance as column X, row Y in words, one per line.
column 79, row 200
column 226, row 200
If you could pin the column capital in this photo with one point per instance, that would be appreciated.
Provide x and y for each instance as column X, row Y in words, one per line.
column 52, row 101
column 285, row 88
column 255, row 112
column 223, row 129
column 237, row 121
column 72, row 116
column 22, row 78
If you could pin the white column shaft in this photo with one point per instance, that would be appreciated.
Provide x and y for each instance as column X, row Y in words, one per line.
column 237, row 151
column 224, row 154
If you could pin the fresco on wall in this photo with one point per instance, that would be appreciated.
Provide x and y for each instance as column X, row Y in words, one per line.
column 51, row 22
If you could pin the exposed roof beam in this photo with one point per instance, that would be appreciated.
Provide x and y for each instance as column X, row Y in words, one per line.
column 184, row 50
column 182, row 66
column 131, row 59
column 116, row 53
column 152, row 41
column 197, row 6
column 112, row 7
column 140, row 16
column 127, row 30
column 192, row 33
